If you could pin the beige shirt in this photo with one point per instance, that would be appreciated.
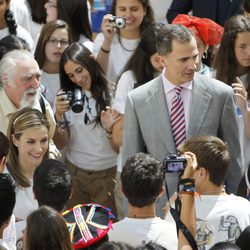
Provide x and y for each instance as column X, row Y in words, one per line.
column 7, row 108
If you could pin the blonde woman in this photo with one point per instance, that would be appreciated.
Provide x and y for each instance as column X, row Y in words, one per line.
column 28, row 135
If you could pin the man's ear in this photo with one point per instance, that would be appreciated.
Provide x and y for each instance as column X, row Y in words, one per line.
column 163, row 61
column 4, row 79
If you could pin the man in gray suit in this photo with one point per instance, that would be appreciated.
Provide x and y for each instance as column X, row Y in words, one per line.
column 208, row 106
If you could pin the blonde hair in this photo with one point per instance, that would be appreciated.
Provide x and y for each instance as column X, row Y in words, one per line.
column 22, row 120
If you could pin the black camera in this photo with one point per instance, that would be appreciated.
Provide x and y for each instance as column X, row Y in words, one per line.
column 174, row 164
column 118, row 22
column 75, row 99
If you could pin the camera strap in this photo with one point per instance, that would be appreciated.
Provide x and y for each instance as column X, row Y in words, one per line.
column 179, row 224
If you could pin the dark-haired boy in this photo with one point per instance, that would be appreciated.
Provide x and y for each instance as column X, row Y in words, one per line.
column 142, row 183
column 52, row 184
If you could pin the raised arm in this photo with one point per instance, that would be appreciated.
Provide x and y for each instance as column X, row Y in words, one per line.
column 104, row 51
column 61, row 136
column 240, row 94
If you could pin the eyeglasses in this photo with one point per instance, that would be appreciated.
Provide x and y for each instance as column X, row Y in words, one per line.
column 54, row 42
column 51, row 5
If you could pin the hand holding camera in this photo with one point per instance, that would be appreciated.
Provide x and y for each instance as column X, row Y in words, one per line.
column 62, row 104
column 191, row 165
column 174, row 164
column 109, row 25
column 117, row 22
column 186, row 164
column 68, row 99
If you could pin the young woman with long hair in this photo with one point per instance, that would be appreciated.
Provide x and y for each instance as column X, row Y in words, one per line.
column 75, row 14
column 232, row 65
column 53, row 40
column 28, row 135
column 90, row 152
column 113, row 47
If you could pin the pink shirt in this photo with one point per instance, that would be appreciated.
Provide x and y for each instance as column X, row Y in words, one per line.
column 185, row 95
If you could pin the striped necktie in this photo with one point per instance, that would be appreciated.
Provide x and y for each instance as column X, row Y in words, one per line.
column 177, row 118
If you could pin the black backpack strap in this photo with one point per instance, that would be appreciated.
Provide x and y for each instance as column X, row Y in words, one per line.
column 42, row 104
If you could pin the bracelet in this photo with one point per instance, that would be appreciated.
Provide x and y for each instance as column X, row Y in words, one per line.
column 187, row 192
column 109, row 136
column 195, row 194
column 62, row 124
column 108, row 132
column 105, row 50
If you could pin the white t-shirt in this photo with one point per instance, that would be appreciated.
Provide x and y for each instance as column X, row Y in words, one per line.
column 135, row 232
column 35, row 28
column 86, row 42
column 21, row 32
column 88, row 148
column 125, row 84
column 220, row 218
column 118, row 56
column 25, row 202
column 21, row 13
column 51, row 82
column 9, row 234
column 4, row 245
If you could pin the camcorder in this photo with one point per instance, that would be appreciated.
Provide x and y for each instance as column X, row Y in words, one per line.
column 174, row 164
column 75, row 100
column 118, row 22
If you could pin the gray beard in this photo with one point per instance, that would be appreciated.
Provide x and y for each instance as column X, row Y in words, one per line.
column 30, row 101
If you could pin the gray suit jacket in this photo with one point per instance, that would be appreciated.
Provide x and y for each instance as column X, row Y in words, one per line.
column 212, row 112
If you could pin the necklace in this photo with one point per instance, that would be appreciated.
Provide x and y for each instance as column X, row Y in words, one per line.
column 222, row 191
column 123, row 47
column 141, row 217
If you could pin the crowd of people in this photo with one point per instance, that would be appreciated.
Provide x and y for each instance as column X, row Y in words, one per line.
column 137, row 137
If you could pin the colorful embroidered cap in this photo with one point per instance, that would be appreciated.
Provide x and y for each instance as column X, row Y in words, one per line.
column 209, row 31
column 87, row 224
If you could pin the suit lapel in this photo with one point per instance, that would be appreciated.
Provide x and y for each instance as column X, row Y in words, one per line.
column 158, row 111
column 201, row 100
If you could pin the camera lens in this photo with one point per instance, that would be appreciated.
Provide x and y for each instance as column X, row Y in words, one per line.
column 77, row 103
column 77, row 107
